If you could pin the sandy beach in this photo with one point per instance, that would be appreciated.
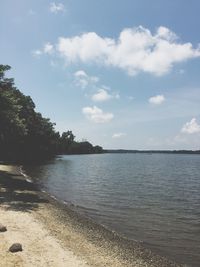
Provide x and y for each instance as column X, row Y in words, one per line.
column 40, row 248
column 52, row 234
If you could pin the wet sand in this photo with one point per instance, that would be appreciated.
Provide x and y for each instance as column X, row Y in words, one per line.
column 53, row 234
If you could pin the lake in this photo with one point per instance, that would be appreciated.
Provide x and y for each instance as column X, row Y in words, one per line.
column 151, row 198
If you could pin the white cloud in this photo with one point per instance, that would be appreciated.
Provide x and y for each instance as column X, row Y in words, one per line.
column 118, row 135
column 97, row 115
column 136, row 50
column 191, row 127
column 80, row 73
column 157, row 100
column 37, row 53
column 82, row 79
column 55, row 8
column 165, row 33
column 103, row 95
column 48, row 48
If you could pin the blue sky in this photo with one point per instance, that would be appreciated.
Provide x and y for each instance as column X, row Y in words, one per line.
column 121, row 74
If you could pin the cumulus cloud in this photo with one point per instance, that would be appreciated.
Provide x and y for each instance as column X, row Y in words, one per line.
column 103, row 95
column 135, row 50
column 191, row 127
column 157, row 100
column 80, row 73
column 118, row 135
column 48, row 48
column 97, row 115
column 82, row 79
column 55, row 8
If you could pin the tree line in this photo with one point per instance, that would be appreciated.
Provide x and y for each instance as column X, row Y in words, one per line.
column 25, row 134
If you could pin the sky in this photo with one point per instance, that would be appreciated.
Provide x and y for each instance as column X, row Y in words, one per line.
column 120, row 74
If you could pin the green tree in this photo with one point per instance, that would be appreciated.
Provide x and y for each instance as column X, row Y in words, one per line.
column 25, row 134
column 12, row 126
column 66, row 140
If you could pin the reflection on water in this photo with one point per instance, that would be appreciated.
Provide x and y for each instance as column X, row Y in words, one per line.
column 153, row 198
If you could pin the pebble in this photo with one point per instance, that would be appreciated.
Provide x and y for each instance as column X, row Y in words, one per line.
column 2, row 228
column 15, row 247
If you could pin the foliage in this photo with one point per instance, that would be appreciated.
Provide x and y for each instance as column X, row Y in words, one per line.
column 25, row 134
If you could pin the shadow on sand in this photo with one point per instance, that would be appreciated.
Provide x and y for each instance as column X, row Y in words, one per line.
column 18, row 194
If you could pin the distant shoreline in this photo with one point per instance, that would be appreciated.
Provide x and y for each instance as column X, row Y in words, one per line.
column 195, row 152
column 105, row 151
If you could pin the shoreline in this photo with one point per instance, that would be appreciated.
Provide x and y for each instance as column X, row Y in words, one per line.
column 19, row 204
column 87, row 242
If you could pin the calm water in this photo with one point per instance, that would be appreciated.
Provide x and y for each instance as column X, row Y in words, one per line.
column 150, row 198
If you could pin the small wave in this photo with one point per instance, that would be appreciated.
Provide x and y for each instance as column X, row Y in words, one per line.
column 66, row 203
column 27, row 178
column 52, row 196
